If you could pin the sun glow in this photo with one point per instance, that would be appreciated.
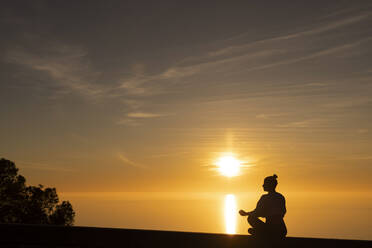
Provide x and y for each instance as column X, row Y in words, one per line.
column 228, row 166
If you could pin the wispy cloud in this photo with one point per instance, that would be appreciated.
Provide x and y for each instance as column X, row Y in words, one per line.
column 309, row 123
column 128, row 122
column 271, row 115
column 361, row 157
column 144, row 115
column 64, row 64
column 347, row 11
column 174, row 154
column 362, row 130
column 69, row 67
column 127, row 161
column 314, row 55
column 348, row 102
column 144, row 85
column 251, row 56
column 134, row 118
column 321, row 28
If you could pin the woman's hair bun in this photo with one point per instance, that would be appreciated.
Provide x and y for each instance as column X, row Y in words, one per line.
column 275, row 176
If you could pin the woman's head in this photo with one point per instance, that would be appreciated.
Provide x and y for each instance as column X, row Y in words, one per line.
column 270, row 183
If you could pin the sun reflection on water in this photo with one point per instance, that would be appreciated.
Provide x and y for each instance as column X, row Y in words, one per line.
column 230, row 214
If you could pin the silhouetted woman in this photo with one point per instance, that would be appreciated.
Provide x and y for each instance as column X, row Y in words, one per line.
column 270, row 206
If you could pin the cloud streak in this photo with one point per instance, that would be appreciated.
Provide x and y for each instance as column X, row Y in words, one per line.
column 316, row 30
column 69, row 67
column 252, row 56
column 129, row 162
column 64, row 64
column 144, row 115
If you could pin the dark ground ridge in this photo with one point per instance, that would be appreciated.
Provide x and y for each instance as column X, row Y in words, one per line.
column 42, row 236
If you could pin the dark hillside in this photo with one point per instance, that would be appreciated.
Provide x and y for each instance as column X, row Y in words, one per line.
column 37, row 236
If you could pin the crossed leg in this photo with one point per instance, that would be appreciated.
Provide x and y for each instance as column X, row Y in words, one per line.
column 258, row 226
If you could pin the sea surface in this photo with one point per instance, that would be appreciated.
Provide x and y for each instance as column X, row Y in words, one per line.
column 324, row 214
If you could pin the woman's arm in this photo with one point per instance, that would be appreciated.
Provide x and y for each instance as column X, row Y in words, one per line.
column 257, row 212
column 243, row 213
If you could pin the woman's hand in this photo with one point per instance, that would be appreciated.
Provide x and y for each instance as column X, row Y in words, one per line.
column 242, row 212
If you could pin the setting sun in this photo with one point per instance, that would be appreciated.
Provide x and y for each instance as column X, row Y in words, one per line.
column 228, row 166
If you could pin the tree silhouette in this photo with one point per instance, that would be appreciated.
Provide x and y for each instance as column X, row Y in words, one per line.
column 29, row 204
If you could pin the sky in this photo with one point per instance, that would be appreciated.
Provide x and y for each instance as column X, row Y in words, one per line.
column 126, row 96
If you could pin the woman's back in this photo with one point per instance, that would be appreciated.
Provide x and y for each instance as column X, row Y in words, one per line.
column 273, row 209
column 271, row 205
